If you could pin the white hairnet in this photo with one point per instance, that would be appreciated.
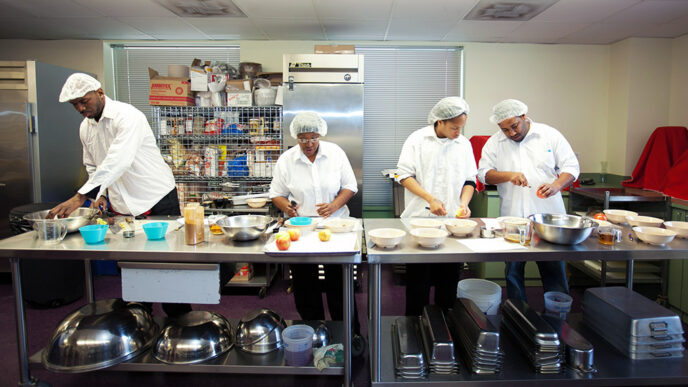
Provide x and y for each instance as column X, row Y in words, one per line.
column 308, row 122
column 507, row 109
column 447, row 109
column 77, row 85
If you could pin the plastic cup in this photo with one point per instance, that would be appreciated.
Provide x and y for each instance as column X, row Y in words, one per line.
column 298, row 345
column 558, row 304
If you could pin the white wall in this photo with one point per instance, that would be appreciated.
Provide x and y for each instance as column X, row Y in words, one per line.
column 678, row 108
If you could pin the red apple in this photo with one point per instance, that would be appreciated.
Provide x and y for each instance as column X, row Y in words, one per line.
column 294, row 234
column 283, row 242
column 325, row 235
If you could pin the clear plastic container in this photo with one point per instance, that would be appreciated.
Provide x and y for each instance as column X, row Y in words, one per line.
column 298, row 345
column 194, row 227
column 558, row 304
column 485, row 294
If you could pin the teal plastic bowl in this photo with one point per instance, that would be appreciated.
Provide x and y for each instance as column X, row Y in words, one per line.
column 300, row 221
column 94, row 233
column 155, row 230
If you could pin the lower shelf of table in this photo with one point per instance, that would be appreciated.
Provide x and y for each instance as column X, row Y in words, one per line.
column 614, row 369
column 235, row 361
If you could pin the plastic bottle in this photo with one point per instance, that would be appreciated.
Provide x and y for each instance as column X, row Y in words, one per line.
column 193, row 223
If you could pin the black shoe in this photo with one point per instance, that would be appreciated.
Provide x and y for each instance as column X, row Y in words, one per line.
column 358, row 345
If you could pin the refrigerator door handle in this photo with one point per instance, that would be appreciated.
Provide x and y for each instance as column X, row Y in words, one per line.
column 30, row 124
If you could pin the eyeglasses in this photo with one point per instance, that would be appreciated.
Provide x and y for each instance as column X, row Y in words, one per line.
column 307, row 140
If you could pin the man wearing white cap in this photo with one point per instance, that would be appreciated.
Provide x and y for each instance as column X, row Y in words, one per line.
column 530, row 163
column 119, row 153
column 121, row 158
column 437, row 168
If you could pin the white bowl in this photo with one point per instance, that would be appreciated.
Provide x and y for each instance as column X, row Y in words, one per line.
column 256, row 202
column 425, row 223
column 644, row 221
column 460, row 227
column 386, row 237
column 429, row 237
column 654, row 235
column 681, row 228
column 309, row 227
column 618, row 216
column 340, row 224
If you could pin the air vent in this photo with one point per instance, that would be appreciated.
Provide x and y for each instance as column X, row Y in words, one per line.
column 495, row 10
column 202, row 8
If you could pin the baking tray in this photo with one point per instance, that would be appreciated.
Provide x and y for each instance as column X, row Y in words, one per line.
column 436, row 337
column 406, row 344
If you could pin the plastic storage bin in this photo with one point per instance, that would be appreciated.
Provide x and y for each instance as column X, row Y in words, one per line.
column 486, row 294
column 298, row 345
column 558, row 304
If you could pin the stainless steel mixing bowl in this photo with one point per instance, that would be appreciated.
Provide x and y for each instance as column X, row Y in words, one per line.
column 194, row 337
column 244, row 227
column 99, row 335
column 260, row 331
column 562, row 229
column 80, row 217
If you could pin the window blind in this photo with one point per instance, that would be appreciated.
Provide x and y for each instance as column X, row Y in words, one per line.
column 402, row 84
column 131, row 63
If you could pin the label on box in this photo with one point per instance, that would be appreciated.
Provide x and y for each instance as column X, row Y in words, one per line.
column 239, row 98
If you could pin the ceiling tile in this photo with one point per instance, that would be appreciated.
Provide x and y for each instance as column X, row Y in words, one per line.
column 415, row 29
column 544, row 32
column 15, row 28
column 583, row 11
column 654, row 11
column 432, row 9
column 278, row 29
column 54, row 8
column 46, row 29
column 277, row 8
column 121, row 8
column 10, row 10
column 102, row 28
column 355, row 30
column 599, row 33
column 227, row 27
column 482, row 31
column 163, row 27
column 354, row 9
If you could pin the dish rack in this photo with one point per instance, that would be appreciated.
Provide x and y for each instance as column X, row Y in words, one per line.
column 217, row 153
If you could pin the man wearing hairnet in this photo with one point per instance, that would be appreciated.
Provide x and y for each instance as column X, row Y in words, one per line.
column 315, row 179
column 121, row 158
column 530, row 163
column 437, row 168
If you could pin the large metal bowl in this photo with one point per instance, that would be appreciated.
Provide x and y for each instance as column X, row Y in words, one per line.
column 194, row 337
column 99, row 335
column 244, row 227
column 562, row 229
column 80, row 217
column 260, row 331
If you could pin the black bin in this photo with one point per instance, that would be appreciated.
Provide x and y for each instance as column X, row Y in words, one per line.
column 46, row 283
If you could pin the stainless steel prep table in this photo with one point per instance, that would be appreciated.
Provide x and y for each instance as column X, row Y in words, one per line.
column 452, row 251
column 172, row 249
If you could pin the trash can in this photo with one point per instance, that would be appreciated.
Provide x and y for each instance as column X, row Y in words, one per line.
column 46, row 283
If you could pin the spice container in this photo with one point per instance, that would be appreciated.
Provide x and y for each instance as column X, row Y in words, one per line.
column 193, row 224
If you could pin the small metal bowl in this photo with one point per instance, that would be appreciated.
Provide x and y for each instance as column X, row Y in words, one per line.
column 260, row 331
column 244, row 227
column 80, row 217
column 194, row 337
column 99, row 335
column 562, row 229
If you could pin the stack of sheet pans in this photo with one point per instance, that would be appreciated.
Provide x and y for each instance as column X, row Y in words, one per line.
column 437, row 341
column 536, row 338
column 635, row 325
column 477, row 340
column 409, row 361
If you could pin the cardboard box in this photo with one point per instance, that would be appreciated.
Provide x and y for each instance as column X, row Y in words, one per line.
column 335, row 49
column 239, row 98
column 168, row 91
column 244, row 274
column 239, row 84
column 274, row 78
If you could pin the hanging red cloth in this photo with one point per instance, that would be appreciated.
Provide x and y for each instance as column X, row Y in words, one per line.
column 676, row 184
column 477, row 143
column 661, row 153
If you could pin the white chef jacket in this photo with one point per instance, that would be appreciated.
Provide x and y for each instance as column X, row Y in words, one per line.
column 440, row 165
column 309, row 183
column 541, row 156
column 121, row 156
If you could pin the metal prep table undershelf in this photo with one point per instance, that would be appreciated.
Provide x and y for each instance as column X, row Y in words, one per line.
column 613, row 368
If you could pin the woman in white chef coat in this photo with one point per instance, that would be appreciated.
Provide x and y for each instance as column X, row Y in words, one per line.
column 315, row 179
column 438, row 170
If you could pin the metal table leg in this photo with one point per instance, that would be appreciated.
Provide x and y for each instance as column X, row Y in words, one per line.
column 375, row 316
column 25, row 378
column 347, row 271
column 629, row 274
column 88, row 278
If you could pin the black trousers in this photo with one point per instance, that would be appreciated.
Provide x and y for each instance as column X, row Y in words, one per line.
column 308, row 296
column 419, row 278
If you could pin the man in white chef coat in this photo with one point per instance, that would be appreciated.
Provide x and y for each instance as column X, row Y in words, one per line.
column 121, row 158
column 530, row 163
column 437, row 168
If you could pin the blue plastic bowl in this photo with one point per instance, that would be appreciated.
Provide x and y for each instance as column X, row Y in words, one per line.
column 300, row 221
column 94, row 233
column 155, row 230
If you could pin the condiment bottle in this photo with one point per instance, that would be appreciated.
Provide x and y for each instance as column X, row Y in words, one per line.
column 193, row 219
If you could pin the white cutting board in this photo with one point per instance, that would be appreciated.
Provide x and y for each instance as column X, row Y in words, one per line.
column 310, row 243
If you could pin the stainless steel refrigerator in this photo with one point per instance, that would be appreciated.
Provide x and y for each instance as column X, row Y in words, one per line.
column 40, row 151
column 332, row 86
